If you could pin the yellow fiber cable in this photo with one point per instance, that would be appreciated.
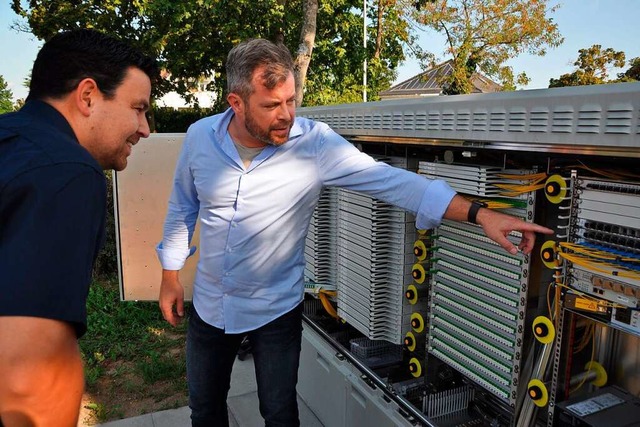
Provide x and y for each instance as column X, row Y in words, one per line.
column 597, row 266
column 617, row 175
column 328, row 293
column 492, row 204
column 584, row 340
column 593, row 352
column 520, row 188
column 535, row 177
column 498, row 205
column 324, row 299
column 596, row 253
column 535, row 182
column 551, row 285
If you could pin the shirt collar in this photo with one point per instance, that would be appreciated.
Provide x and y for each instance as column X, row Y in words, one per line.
column 48, row 114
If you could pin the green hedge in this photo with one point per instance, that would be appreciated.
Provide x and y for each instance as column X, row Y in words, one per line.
column 106, row 265
column 170, row 120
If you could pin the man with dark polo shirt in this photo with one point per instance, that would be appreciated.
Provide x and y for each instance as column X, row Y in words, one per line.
column 85, row 111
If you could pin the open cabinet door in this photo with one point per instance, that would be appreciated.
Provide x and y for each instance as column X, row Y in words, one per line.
column 141, row 194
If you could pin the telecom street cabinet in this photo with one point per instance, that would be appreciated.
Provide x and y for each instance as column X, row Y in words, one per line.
column 442, row 327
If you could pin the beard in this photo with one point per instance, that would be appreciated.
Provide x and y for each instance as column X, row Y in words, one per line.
column 264, row 135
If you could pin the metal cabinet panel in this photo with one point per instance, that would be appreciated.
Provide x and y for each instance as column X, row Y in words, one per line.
column 335, row 392
column 141, row 195
column 366, row 406
column 321, row 380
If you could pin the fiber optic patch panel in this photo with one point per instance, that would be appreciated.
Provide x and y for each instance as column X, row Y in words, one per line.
column 373, row 247
column 478, row 291
column 366, row 249
column 373, row 265
column 320, row 253
column 604, row 257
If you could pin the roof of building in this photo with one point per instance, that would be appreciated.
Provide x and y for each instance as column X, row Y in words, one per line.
column 428, row 83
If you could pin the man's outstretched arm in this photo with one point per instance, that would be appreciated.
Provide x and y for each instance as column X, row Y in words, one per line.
column 497, row 225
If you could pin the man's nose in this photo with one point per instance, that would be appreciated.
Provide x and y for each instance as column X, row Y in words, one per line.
column 284, row 113
column 143, row 128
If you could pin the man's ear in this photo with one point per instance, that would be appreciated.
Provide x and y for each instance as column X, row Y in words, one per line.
column 235, row 102
column 86, row 95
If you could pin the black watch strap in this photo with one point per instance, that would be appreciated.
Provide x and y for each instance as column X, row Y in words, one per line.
column 473, row 211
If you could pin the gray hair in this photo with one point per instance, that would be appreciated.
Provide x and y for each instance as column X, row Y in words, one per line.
column 249, row 55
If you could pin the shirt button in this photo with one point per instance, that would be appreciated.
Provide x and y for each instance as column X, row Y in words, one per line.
column 227, row 274
column 234, row 224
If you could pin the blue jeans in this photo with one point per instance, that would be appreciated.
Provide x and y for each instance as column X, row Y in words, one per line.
column 276, row 351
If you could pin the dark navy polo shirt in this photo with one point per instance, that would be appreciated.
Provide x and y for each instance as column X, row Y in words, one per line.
column 52, row 216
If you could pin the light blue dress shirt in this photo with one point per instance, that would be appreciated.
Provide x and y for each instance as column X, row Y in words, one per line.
column 254, row 221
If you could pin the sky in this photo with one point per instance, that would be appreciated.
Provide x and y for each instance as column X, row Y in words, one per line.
column 583, row 23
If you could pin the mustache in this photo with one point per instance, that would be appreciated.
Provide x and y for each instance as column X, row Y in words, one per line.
column 282, row 124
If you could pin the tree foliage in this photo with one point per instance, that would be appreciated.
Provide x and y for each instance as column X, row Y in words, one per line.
column 482, row 35
column 191, row 38
column 6, row 97
column 592, row 67
column 633, row 73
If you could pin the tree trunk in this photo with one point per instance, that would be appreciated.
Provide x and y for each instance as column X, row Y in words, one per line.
column 305, row 48
column 379, row 31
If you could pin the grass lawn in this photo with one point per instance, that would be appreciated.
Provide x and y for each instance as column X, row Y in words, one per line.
column 134, row 360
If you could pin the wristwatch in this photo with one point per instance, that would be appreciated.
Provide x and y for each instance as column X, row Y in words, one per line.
column 473, row 211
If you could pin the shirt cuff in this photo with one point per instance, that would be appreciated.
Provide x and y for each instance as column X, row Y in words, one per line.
column 435, row 202
column 173, row 259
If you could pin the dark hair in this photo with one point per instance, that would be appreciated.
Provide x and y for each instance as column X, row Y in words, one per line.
column 69, row 57
column 244, row 58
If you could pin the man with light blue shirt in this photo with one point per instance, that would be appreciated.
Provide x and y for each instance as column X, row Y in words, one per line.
column 253, row 176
